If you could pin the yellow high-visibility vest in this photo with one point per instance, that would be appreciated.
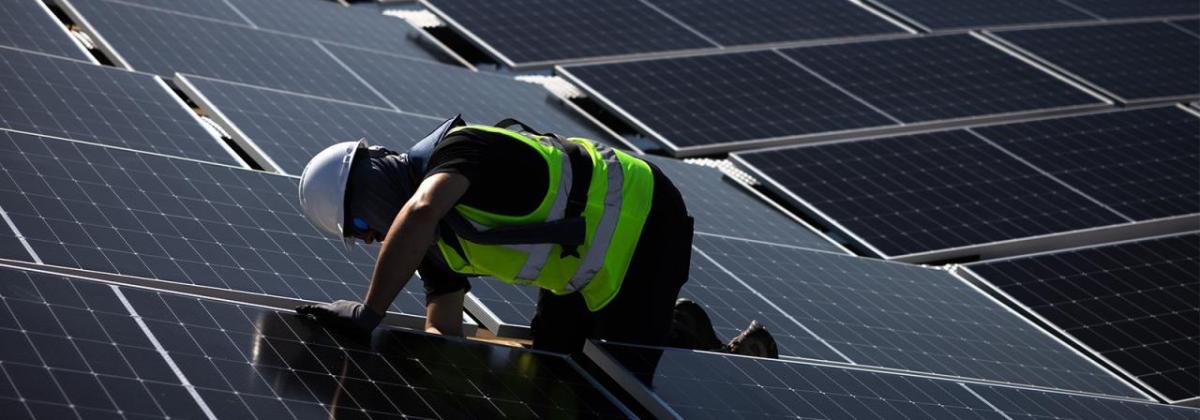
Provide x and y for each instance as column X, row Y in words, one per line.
column 617, row 203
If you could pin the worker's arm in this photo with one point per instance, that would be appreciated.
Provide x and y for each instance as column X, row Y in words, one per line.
column 407, row 240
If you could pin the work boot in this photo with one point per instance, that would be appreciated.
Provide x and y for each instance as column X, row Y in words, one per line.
column 692, row 328
column 755, row 340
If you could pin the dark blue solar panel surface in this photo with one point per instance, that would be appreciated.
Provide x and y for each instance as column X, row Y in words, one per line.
column 697, row 101
column 908, row 317
column 1113, row 9
column 709, row 385
column 924, row 192
column 224, row 51
column 291, row 128
column 528, row 31
column 1144, row 164
column 27, row 24
column 1132, row 61
column 721, row 207
column 79, row 348
column 938, row 78
column 10, row 245
column 1134, row 303
column 740, row 22
column 130, row 213
column 87, row 102
column 443, row 91
column 949, row 14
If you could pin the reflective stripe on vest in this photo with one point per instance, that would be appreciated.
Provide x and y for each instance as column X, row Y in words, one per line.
column 608, row 222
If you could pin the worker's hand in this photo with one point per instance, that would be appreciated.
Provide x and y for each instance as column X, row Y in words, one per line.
column 344, row 315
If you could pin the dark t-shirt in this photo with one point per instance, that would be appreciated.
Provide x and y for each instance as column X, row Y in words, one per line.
column 506, row 177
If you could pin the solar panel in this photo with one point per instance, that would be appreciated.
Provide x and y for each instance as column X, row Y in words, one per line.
column 901, row 316
column 10, row 243
column 721, row 207
column 443, row 91
column 693, row 102
column 1144, row 164
column 565, row 30
column 81, row 101
column 955, row 14
column 1132, row 62
column 685, row 384
column 219, row 50
column 911, row 194
column 78, row 348
column 743, row 22
column 290, row 128
column 1112, row 9
column 129, row 213
column 28, row 24
column 939, row 78
column 1133, row 303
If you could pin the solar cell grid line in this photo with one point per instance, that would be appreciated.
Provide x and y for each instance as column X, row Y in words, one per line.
column 212, row 9
column 215, row 49
column 71, row 349
column 330, row 21
column 288, row 129
column 29, row 25
column 81, row 101
column 1144, row 164
column 945, row 15
column 439, row 90
column 1132, row 303
column 246, row 361
column 1115, row 9
column 565, row 30
column 1191, row 26
column 745, row 22
column 1132, row 62
column 900, row 316
column 911, row 194
column 698, row 104
column 135, row 214
column 936, row 78
column 674, row 383
column 12, row 244
column 1020, row 404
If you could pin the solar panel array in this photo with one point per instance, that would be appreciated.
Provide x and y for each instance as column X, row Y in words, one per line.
column 686, row 384
column 1134, row 303
column 82, row 101
column 583, row 30
column 919, row 193
column 80, row 348
column 1132, row 61
column 723, row 102
column 103, row 176
column 29, row 25
column 116, row 211
column 917, row 319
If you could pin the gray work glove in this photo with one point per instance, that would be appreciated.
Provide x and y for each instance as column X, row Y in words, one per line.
column 345, row 315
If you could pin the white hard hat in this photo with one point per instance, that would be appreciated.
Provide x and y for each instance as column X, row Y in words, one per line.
column 323, row 187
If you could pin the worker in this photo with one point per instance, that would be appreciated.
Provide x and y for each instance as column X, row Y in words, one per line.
column 605, row 235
